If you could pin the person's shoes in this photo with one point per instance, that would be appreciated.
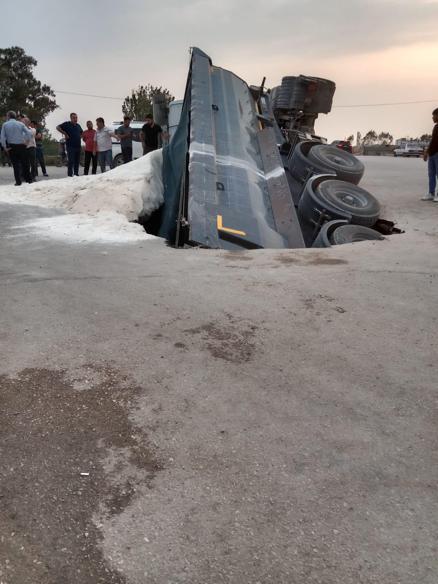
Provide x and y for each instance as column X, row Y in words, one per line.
column 45, row 174
column 435, row 199
column 427, row 197
column 18, row 184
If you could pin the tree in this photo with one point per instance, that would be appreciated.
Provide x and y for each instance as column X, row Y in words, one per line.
column 350, row 138
column 385, row 138
column 139, row 104
column 370, row 138
column 19, row 89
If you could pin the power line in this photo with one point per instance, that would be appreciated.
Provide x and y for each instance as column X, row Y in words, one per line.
column 89, row 95
column 390, row 103
column 387, row 104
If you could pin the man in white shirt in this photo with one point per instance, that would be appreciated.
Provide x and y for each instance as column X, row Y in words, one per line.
column 103, row 144
column 31, row 149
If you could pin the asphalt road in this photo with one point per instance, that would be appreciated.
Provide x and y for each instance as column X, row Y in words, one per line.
column 7, row 174
column 206, row 417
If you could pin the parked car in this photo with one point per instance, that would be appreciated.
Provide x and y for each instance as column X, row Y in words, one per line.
column 343, row 145
column 409, row 149
column 137, row 149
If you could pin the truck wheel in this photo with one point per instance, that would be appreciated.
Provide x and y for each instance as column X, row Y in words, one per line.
column 331, row 159
column 324, row 236
column 353, row 233
column 299, row 165
column 351, row 200
column 337, row 199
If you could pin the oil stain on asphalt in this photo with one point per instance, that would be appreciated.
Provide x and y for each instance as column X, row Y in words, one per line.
column 53, row 480
column 230, row 342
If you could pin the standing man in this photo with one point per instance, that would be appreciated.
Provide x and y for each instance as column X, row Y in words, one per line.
column 431, row 156
column 39, row 148
column 4, row 156
column 103, row 144
column 72, row 132
column 31, row 149
column 90, row 156
column 124, row 133
column 150, row 135
column 13, row 138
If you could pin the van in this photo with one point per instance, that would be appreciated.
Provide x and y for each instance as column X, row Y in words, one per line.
column 408, row 149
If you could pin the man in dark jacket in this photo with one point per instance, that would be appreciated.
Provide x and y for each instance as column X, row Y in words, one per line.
column 39, row 148
column 72, row 132
column 431, row 155
column 151, row 135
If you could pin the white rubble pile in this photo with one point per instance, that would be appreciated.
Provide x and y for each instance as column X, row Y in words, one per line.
column 100, row 207
column 108, row 226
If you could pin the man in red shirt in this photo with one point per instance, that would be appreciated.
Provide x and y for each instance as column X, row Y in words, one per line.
column 90, row 155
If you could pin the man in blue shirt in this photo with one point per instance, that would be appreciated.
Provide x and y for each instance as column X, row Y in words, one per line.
column 73, row 133
column 13, row 138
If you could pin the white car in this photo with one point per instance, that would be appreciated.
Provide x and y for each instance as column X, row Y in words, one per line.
column 409, row 149
column 137, row 148
column 175, row 109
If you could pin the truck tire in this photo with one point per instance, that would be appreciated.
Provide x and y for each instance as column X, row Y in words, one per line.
column 353, row 233
column 324, row 236
column 351, row 200
column 337, row 200
column 331, row 159
column 299, row 164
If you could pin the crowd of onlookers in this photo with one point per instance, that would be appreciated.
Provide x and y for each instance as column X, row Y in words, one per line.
column 98, row 143
column 21, row 142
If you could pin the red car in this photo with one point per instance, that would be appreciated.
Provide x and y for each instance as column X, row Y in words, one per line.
column 343, row 145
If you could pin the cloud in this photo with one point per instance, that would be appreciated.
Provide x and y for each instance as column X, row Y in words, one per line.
column 298, row 27
column 303, row 27
column 107, row 47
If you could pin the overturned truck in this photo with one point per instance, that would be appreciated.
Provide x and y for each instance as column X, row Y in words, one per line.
column 245, row 169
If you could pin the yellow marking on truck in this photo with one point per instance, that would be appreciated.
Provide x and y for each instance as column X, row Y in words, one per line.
column 220, row 227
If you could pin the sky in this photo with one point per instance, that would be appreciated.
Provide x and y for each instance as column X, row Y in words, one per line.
column 377, row 51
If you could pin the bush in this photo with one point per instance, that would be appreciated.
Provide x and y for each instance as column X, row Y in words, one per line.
column 51, row 160
column 51, row 148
